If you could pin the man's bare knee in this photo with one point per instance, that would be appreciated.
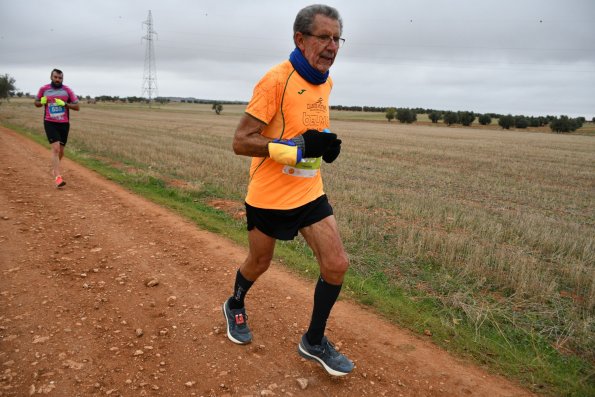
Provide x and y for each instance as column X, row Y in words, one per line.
column 253, row 268
column 334, row 270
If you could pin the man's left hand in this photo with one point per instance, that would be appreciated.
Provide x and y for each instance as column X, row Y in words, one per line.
column 60, row 102
column 332, row 152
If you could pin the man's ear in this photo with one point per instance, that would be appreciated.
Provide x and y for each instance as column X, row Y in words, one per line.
column 298, row 39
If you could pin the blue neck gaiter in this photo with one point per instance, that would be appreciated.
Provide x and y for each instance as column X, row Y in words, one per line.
column 305, row 69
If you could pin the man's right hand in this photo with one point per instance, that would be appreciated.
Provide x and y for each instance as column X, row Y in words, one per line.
column 43, row 100
column 311, row 143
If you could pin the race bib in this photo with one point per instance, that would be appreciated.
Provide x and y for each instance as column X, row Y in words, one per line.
column 307, row 168
column 56, row 111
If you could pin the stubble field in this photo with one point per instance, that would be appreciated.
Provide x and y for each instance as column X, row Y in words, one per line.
column 487, row 230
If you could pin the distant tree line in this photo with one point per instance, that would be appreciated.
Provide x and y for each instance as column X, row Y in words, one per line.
column 372, row 109
column 211, row 101
column 128, row 99
column 466, row 118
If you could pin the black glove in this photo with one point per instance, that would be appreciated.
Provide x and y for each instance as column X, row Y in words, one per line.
column 311, row 143
column 316, row 143
column 332, row 152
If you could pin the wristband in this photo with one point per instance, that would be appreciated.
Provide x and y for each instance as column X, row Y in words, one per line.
column 285, row 152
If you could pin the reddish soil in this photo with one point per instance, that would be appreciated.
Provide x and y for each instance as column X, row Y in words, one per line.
column 79, row 317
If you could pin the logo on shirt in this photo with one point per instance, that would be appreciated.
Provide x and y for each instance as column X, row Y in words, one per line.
column 316, row 115
column 301, row 92
column 317, row 106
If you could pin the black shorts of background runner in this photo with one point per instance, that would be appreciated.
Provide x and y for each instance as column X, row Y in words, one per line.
column 56, row 132
column 285, row 224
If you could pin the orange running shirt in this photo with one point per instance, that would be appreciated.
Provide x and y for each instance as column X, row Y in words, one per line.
column 288, row 105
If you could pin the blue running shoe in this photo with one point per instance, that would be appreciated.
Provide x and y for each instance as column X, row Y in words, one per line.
column 326, row 355
column 237, row 328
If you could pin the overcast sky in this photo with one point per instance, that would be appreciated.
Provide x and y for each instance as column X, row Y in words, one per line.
column 532, row 57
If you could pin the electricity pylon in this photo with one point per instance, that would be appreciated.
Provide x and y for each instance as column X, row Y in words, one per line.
column 149, row 75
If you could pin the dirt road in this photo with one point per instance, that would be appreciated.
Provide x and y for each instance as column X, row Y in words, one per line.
column 80, row 317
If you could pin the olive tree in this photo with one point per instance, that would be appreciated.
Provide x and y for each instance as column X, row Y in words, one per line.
column 391, row 113
column 466, row 118
column 506, row 121
column 217, row 107
column 450, row 118
column 435, row 116
column 406, row 116
column 485, row 119
column 7, row 87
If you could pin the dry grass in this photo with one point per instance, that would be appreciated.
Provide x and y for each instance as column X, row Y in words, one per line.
column 481, row 219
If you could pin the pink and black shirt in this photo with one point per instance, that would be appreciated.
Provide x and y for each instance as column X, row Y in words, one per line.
column 54, row 112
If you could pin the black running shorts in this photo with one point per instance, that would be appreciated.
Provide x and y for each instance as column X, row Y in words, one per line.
column 56, row 132
column 285, row 224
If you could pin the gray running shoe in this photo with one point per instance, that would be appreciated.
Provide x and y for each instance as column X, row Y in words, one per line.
column 325, row 354
column 237, row 328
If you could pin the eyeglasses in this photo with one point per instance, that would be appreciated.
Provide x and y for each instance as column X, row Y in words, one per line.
column 326, row 39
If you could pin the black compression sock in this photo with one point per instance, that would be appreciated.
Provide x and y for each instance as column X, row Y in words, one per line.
column 325, row 296
column 240, row 289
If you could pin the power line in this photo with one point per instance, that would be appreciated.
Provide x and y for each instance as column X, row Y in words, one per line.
column 150, row 72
